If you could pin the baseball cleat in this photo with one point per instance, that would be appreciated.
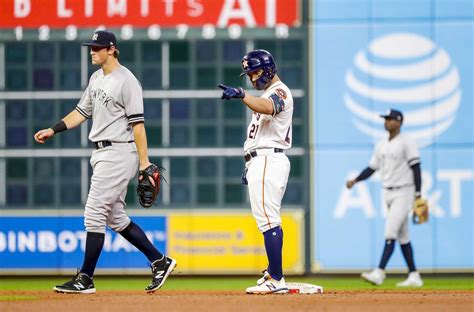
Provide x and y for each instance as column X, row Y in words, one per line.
column 375, row 277
column 160, row 270
column 413, row 280
column 265, row 277
column 81, row 283
column 269, row 286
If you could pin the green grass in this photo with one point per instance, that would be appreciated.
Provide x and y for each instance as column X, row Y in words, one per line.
column 17, row 297
column 233, row 283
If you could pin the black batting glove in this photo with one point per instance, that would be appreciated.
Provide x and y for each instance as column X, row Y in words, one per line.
column 231, row 93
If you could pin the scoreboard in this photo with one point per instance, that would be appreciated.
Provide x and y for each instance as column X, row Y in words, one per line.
column 180, row 50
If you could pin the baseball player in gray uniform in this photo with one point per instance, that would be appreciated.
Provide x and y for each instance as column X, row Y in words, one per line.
column 113, row 100
column 267, row 167
column 398, row 160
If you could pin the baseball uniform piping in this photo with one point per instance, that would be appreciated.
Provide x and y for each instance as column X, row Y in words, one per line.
column 263, row 192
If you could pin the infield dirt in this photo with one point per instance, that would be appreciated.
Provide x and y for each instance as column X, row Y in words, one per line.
column 117, row 301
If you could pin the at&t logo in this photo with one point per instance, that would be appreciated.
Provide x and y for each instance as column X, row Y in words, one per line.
column 408, row 72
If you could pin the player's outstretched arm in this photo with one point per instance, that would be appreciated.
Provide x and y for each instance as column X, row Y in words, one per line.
column 365, row 174
column 72, row 120
column 139, row 134
column 257, row 104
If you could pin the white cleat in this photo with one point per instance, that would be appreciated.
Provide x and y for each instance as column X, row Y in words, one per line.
column 376, row 277
column 269, row 286
column 413, row 280
column 265, row 277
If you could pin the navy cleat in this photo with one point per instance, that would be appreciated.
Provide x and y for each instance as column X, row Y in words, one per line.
column 81, row 283
column 160, row 269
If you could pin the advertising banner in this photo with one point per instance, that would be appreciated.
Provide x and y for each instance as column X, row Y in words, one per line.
column 143, row 13
column 230, row 243
column 201, row 241
column 57, row 242
column 364, row 67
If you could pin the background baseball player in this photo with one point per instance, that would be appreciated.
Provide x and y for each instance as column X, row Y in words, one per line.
column 398, row 160
column 113, row 100
column 267, row 167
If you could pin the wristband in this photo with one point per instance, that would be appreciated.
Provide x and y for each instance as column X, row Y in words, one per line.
column 59, row 127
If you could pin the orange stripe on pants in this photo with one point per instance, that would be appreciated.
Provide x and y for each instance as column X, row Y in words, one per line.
column 263, row 192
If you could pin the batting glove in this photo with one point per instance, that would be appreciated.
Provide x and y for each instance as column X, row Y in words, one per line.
column 232, row 93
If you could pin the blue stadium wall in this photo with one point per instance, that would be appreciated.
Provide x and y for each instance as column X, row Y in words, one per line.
column 369, row 56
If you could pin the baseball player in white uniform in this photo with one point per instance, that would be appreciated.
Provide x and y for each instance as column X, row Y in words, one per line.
column 113, row 100
column 267, row 167
column 398, row 160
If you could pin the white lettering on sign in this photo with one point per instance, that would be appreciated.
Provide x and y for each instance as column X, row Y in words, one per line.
column 18, row 33
column 282, row 31
column 169, row 7
column 208, row 31
column 11, row 241
column 67, row 241
column 71, row 33
column 154, row 32
column 195, row 8
column 243, row 12
column 182, row 31
column 3, row 242
column 359, row 196
column 270, row 13
column 455, row 179
column 43, row 33
column 88, row 8
column 46, row 241
column 26, row 241
column 116, row 7
column 235, row 31
column 145, row 8
column 22, row 8
column 126, row 32
column 63, row 12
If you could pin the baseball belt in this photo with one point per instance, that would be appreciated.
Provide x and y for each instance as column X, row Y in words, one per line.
column 261, row 152
column 105, row 143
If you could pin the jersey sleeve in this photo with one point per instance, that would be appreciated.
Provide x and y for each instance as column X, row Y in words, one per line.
column 374, row 162
column 412, row 153
column 133, row 101
column 84, row 107
column 280, row 99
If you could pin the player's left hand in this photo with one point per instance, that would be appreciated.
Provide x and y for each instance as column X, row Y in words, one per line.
column 420, row 211
column 149, row 183
column 231, row 93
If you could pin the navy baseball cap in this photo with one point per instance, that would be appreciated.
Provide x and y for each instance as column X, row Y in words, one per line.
column 393, row 114
column 102, row 39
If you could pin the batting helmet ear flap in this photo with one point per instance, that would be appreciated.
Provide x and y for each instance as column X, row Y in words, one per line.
column 259, row 59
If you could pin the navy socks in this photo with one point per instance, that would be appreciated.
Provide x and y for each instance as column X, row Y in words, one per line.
column 273, row 245
column 408, row 255
column 94, row 244
column 387, row 253
column 135, row 235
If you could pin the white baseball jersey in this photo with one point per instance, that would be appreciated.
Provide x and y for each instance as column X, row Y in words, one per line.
column 268, row 172
column 272, row 131
column 113, row 101
column 393, row 158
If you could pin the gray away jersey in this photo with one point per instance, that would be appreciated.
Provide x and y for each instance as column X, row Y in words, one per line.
column 114, row 102
column 394, row 159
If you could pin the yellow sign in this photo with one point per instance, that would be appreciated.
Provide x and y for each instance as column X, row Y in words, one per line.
column 230, row 242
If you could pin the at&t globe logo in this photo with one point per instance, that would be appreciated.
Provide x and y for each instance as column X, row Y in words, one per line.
column 409, row 72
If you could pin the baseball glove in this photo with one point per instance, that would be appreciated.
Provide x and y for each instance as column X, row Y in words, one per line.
column 420, row 211
column 149, row 182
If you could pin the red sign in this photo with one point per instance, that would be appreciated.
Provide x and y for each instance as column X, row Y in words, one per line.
column 143, row 13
